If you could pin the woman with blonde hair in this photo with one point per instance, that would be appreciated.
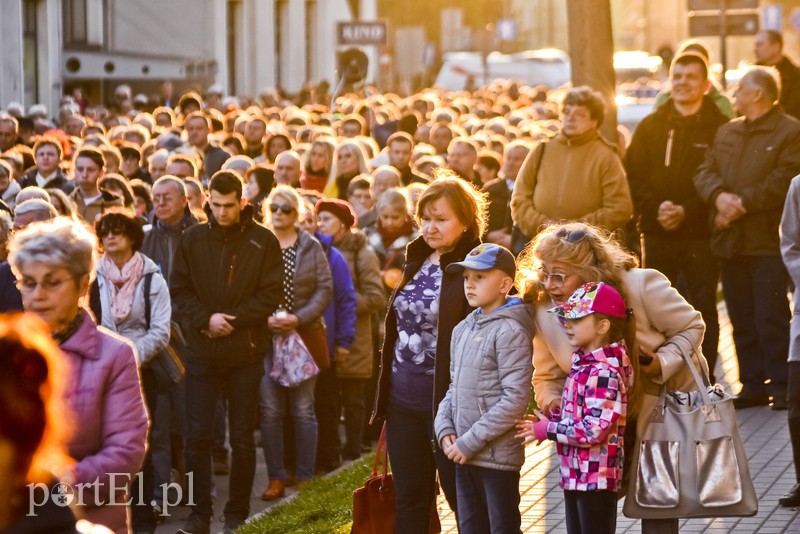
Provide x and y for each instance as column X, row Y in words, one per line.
column 415, row 364
column 349, row 161
column 317, row 164
column 562, row 258
column 307, row 289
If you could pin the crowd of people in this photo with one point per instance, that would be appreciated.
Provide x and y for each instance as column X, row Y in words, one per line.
column 438, row 255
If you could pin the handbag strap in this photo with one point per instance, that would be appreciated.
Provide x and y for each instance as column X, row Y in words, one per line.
column 381, row 454
column 148, row 280
column 702, row 383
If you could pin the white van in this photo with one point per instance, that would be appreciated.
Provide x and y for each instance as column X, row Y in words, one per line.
column 549, row 67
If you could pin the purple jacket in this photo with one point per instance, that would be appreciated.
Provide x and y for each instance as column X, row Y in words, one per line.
column 109, row 417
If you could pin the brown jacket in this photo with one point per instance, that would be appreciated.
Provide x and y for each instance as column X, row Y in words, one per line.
column 93, row 210
column 370, row 298
column 580, row 179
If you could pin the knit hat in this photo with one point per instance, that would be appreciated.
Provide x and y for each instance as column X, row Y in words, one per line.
column 340, row 209
column 485, row 257
column 592, row 298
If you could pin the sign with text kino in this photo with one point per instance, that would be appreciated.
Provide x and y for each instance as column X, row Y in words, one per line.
column 361, row 33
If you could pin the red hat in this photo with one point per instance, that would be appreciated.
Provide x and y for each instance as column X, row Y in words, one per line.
column 341, row 209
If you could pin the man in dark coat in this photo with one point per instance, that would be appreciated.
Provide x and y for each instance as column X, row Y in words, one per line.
column 769, row 52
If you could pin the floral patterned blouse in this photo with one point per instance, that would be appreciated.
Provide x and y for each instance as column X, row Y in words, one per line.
column 417, row 310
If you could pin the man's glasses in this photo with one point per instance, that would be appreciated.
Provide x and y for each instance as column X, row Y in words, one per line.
column 286, row 210
column 28, row 285
column 570, row 236
column 555, row 279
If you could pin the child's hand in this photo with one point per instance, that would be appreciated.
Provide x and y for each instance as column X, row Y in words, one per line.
column 454, row 453
column 525, row 427
column 447, row 441
column 553, row 408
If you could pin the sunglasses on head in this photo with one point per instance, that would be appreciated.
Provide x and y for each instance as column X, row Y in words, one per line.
column 570, row 236
column 286, row 210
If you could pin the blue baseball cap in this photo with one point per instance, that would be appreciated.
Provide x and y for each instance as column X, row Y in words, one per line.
column 485, row 257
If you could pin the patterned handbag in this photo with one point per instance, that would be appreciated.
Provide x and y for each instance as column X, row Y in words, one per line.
column 292, row 363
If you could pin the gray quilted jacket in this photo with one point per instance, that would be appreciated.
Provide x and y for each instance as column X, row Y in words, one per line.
column 490, row 370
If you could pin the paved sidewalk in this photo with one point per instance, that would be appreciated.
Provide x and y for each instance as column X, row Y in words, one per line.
column 768, row 449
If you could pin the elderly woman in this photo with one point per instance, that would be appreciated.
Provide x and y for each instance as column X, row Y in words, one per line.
column 577, row 159
column 354, row 368
column 54, row 262
column 120, row 304
column 415, row 365
column 307, row 290
column 566, row 256
column 349, row 160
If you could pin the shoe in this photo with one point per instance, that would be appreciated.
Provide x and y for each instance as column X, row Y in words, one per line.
column 749, row 400
column 301, row 485
column 221, row 466
column 778, row 402
column 275, row 490
column 231, row 524
column 791, row 499
column 194, row 525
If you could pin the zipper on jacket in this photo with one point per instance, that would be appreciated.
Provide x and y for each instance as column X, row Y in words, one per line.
column 668, row 153
column 230, row 270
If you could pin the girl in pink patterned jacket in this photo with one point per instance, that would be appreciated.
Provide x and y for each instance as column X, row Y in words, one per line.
column 589, row 430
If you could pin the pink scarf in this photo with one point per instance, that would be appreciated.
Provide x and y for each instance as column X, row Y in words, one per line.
column 123, row 284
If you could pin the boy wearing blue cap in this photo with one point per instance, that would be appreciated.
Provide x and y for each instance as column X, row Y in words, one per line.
column 489, row 391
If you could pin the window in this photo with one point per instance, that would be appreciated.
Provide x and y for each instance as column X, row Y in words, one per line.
column 75, row 22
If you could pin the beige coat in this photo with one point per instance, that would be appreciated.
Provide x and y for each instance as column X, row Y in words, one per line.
column 370, row 298
column 580, row 179
column 665, row 323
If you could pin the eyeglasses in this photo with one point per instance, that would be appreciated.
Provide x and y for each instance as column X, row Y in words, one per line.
column 286, row 210
column 570, row 236
column 111, row 231
column 28, row 285
column 555, row 279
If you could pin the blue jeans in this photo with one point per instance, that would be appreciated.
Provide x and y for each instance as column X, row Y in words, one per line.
column 273, row 401
column 755, row 293
column 488, row 499
column 591, row 512
column 204, row 385
column 409, row 438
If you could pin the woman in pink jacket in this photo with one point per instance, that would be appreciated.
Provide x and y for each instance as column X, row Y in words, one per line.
column 54, row 262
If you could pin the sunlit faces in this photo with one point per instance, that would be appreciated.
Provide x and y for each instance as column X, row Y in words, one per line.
column 282, row 214
column 251, row 189
column 461, row 157
column 346, row 161
column 577, row 120
column 197, row 131
column 330, row 225
column 87, row 173
column 318, row 160
column 168, row 203
column 361, row 200
column 225, row 208
column 689, row 83
column 51, row 293
column 486, row 289
column 747, row 93
column 440, row 227
column 116, row 242
column 400, row 154
column 557, row 290
column 392, row 219
column 587, row 333
column 512, row 161
column 47, row 159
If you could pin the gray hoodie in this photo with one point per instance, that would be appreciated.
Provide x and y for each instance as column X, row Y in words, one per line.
column 790, row 250
column 490, row 370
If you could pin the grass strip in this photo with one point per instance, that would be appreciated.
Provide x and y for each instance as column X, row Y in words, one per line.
column 323, row 507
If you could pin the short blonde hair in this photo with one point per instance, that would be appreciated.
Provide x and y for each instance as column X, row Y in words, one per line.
column 393, row 198
column 469, row 204
column 61, row 242
column 290, row 195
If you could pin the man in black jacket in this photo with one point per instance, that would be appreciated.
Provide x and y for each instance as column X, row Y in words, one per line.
column 769, row 52
column 198, row 127
column 225, row 283
column 744, row 179
column 668, row 146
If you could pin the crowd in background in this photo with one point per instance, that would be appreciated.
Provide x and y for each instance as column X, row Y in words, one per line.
column 218, row 220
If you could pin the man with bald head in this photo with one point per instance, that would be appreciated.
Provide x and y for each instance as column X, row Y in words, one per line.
column 287, row 168
column 744, row 179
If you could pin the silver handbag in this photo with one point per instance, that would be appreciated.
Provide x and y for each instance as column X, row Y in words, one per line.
column 688, row 459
